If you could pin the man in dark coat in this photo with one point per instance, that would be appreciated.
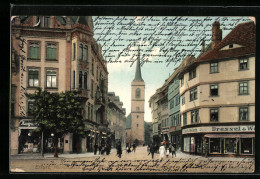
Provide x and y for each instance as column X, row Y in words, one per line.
column 152, row 150
column 95, row 149
column 119, row 150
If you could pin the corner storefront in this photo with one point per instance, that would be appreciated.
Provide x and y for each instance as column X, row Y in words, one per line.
column 221, row 140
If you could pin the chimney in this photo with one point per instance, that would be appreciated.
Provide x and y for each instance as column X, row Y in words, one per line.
column 68, row 23
column 216, row 34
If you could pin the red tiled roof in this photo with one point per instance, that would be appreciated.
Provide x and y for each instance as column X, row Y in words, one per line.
column 243, row 34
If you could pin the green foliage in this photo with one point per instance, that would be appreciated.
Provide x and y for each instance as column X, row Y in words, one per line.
column 57, row 113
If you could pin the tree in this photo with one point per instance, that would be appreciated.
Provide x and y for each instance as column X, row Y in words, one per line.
column 57, row 113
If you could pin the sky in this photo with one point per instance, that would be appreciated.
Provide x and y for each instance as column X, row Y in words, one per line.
column 164, row 42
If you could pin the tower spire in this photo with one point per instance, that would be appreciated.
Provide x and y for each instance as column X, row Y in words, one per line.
column 138, row 74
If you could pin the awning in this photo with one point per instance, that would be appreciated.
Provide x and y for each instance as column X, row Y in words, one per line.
column 229, row 135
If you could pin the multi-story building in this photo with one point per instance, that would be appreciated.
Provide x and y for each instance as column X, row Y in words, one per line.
column 218, row 90
column 58, row 53
column 116, row 119
column 154, row 113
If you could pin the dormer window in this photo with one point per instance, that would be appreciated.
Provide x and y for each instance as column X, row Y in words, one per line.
column 230, row 45
column 46, row 21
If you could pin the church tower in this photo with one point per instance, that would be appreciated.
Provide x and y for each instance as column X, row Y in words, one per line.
column 137, row 105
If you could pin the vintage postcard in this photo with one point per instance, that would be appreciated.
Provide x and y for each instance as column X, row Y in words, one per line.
column 132, row 94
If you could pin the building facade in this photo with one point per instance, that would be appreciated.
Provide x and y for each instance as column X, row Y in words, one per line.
column 57, row 53
column 218, row 90
column 116, row 120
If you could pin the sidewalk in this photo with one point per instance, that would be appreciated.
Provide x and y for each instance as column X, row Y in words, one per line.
column 51, row 155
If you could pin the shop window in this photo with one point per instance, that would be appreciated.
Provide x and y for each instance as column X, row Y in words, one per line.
column 214, row 67
column 246, row 146
column 51, row 51
column 34, row 50
column 138, row 93
column 192, row 74
column 85, row 80
column 33, row 77
column 230, row 145
column 213, row 90
column 214, row 145
column 243, row 114
column 80, row 80
column 243, row 64
column 193, row 94
column 213, row 115
column 243, row 88
column 51, row 79
column 186, row 144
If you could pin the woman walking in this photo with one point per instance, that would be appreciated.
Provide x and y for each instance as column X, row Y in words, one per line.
column 162, row 151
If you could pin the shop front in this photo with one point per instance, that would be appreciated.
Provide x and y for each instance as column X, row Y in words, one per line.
column 176, row 137
column 229, row 140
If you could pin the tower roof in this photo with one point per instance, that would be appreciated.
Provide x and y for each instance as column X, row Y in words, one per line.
column 138, row 74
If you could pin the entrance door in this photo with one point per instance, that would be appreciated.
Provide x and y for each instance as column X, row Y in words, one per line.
column 76, row 144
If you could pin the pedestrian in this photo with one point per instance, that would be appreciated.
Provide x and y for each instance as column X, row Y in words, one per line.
column 134, row 146
column 152, row 150
column 102, row 149
column 170, row 148
column 206, row 150
column 95, row 149
column 173, row 151
column 119, row 150
column 148, row 149
column 162, row 151
column 99, row 149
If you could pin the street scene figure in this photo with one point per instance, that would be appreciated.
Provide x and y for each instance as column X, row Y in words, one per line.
column 119, row 150
column 152, row 150
column 134, row 147
column 95, row 149
column 162, row 151
column 173, row 150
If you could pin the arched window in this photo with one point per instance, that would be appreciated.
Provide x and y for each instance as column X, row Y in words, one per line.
column 138, row 93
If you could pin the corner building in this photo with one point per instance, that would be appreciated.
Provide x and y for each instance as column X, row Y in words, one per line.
column 218, row 95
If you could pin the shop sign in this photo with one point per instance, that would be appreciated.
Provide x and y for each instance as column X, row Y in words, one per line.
column 27, row 123
column 249, row 128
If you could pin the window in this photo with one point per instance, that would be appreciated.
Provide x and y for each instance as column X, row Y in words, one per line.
column 243, row 64
column 214, row 67
column 74, row 51
column 97, row 74
column 85, row 55
column 92, row 88
column 137, row 125
column 85, row 80
column 73, row 85
column 171, row 121
column 243, row 114
column 193, row 94
column 34, row 50
column 213, row 115
column 92, row 66
column 182, row 80
column 138, row 93
column 177, row 100
column 184, row 118
column 88, row 111
column 30, row 107
column 164, row 105
column 183, row 99
column 192, row 74
column 80, row 52
column 51, row 79
column 33, row 78
column 171, row 103
column 137, row 116
column 243, row 88
column 46, row 21
column 51, row 51
column 137, row 108
column 166, row 122
column 195, row 116
column 80, row 79
column 213, row 90
column 230, row 45
column 91, row 113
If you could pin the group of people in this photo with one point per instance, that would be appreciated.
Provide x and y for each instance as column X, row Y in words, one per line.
column 103, row 148
column 130, row 148
column 163, row 150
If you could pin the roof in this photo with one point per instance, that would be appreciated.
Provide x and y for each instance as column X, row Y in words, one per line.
column 128, row 121
column 243, row 35
column 138, row 74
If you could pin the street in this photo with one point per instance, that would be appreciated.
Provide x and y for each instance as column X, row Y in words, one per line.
column 138, row 161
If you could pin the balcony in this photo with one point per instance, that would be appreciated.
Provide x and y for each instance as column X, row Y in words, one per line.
column 83, row 93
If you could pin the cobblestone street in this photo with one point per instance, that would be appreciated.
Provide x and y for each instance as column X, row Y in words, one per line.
column 138, row 161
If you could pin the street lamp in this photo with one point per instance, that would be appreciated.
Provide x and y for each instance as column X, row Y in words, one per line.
column 52, row 134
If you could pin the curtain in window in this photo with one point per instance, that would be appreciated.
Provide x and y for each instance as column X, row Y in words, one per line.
column 51, row 51
column 34, row 51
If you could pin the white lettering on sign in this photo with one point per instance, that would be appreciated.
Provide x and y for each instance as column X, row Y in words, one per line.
column 220, row 129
